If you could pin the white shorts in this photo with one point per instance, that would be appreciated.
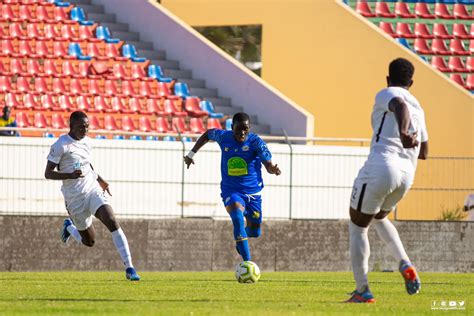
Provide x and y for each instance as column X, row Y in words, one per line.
column 81, row 210
column 379, row 188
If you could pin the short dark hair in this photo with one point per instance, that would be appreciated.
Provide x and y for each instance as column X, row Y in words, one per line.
column 240, row 117
column 77, row 115
column 401, row 72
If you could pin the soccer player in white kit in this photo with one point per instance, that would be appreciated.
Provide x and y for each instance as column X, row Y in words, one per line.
column 399, row 139
column 84, row 190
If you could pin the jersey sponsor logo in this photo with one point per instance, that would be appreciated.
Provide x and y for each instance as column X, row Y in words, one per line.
column 226, row 148
column 256, row 214
column 236, row 166
column 245, row 148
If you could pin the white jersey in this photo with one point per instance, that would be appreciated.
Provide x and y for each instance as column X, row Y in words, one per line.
column 70, row 155
column 386, row 147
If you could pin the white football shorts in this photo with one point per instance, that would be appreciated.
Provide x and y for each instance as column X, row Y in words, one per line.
column 81, row 210
column 379, row 187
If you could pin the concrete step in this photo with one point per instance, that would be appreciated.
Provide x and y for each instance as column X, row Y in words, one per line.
column 227, row 110
column 152, row 54
column 81, row 2
column 101, row 17
column 92, row 8
column 193, row 83
column 115, row 26
column 176, row 72
column 219, row 101
column 126, row 35
column 203, row 92
column 141, row 45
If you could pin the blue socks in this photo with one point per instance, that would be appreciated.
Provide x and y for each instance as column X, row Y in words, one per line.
column 240, row 235
column 253, row 232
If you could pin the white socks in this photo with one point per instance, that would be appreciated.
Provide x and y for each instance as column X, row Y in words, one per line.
column 121, row 244
column 74, row 233
column 389, row 234
column 360, row 252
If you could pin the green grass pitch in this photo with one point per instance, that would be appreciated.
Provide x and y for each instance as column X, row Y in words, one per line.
column 217, row 293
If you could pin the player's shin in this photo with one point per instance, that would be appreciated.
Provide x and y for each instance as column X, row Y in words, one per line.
column 121, row 243
column 74, row 233
column 253, row 232
column 389, row 234
column 360, row 252
column 240, row 235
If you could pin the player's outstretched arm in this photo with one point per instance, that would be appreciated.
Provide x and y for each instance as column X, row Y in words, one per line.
column 271, row 168
column 51, row 174
column 103, row 184
column 402, row 115
column 202, row 140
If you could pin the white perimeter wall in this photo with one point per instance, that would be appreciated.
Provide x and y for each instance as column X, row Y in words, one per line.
column 146, row 179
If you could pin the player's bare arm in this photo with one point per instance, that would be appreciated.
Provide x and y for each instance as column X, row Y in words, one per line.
column 423, row 155
column 271, row 168
column 103, row 184
column 402, row 115
column 51, row 174
column 202, row 140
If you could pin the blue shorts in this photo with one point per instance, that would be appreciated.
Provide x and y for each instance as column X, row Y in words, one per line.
column 252, row 204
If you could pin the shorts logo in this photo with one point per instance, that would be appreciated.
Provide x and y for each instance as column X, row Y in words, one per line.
column 245, row 148
column 256, row 214
column 354, row 193
column 226, row 148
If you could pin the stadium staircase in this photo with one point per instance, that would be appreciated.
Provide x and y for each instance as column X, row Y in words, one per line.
column 57, row 57
column 440, row 31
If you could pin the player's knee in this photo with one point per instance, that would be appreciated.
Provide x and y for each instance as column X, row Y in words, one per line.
column 253, row 231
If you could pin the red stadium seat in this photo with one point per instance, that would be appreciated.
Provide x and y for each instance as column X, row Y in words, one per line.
column 50, row 68
column 11, row 100
column 41, row 85
column 402, row 10
column 69, row 69
column 111, row 51
column 382, row 10
column 163, row 89
column 16, row 31
column 421, row 47
column 59, row 86
column 29, row 102
column 47, row 102
column 127, row 124
column 146, row 88
column 111, row 88
column 25, row 13
column 128, row 89
column 85, row 33
column 439, row 47
column 57, row 121
column 101, row 104
column 144, row 124
column 59, row 50
column 83, row 104
column 169, row 108
column 460, row 31
column 422, row 10
column 94, row 123
column 213, row 123
column 65, row 103
column 118, row 105
column 5, row 84
column 440, row 31
column 137, row 72
column 196, row 125
column 40, row 120
column 363, row 8
column 42, row 49
column 422, row 31
column 153, row 105
column 442, row 11
column 22, row 119
column 8, row 49
column 22, row 84
column 33, row 31
column 191, row 105
column 457, row 47
column 471, row 46
column 69, row 32
column 162, row 125
column 119, row 71
column 178, row 125
column 60, row 14
column 7, row 14
column 75, row 86
column 456, row 64
column 470, row 82
column 82, row 69
column 51, row 31
column 470, row 64
column 33, row 68
column 94, row 86
column 460, row 12
column 17, row 67
column 24, row 49
column 458, row 79
column 387, row 28
column 404, row 30
column 43, row 15
column 109, row 123
column 135, row 106
column 439, row 63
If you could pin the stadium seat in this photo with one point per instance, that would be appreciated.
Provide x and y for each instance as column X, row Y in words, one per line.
column 101, row 104
column 57, row 121
column 94, row 51
column 69, row 32
column 387, row 27
column 460, row 12
column 137, row 72
column 439, row 47
column 471, row 46
column 51, row 32
column 75, row 86
column 33, row 31
column 40, row 120
column 111, row 51
column 33, row 68
column 118, row 105
column 162, row 125
column 127, row 124
column 181, row 90
column 169, row 108
column 68, row 68
column 130, row 51
column 60, row 51
column 213, row 123
column 7, row 14
column 457, row 47
column 50, row 68
column 163, row 89
column 42, row 49
column 86, row 34
column 103, row 33
column 65, row 103
column 382, row 10
column 128, row 88
column 119, row 71
column 5, row 84
column 94, row 123
column 111, row 87
column 441, row 31
column 460, row 31
column 228, row 124
column 470, row 64
column 207, row 106
column 402, row 10
column 22, row 84
column 83, row 103
column 22, row 119
column 109, row 123
column 442, row 11
column 47, row 102
column 59, row 86
column 423, row 11
column 145, row 89
column 404, row 30
column 82, row 69
column 15, row 30
column 75, row 51
column 11, row 100
column 29, row 102
column 422, row 31
column 155, row 71
column 60, row 14
column 456, row 64
column 196, row 125
column 41, row 86
column 458, row 79
column 168, row 138
column 363, row 8
column 94, row 86
column 178, row 125
column 78, row 15
column 191, row 105
column 421, row 46
column 144, row 124
column 43, row 15
column 8, row 49
column 470, row 82
column 439, row 63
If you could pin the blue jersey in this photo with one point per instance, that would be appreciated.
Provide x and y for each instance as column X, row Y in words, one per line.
column 241, row 163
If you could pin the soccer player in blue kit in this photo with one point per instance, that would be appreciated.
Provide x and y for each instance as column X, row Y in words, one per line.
column 243, row 154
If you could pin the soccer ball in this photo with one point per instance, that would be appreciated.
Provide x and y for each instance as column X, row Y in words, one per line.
column 247, row 272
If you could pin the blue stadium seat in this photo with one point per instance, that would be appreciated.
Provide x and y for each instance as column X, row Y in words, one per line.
column 169, row 139
column 48, row 135
column 151, row 137
column 466, row 2
column 75, row 50
column 186, row 139
column 155, row 71
column 78, row 14
column 408, row 1
column 120, row 137
column 404, row 42
column 100, row 137
column 428, row 1
column 135, row 137
column 130, row 51
column 181, row 89
column 207, row 106
column 228, row 124
column 447, row 1
column 103, row 33
column 60, row 3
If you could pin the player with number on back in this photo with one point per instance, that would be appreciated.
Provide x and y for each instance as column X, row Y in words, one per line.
column 243, row 153
column 84, row 190
column 399, row 139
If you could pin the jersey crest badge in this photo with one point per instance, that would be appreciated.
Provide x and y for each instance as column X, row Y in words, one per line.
column 245, row 148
